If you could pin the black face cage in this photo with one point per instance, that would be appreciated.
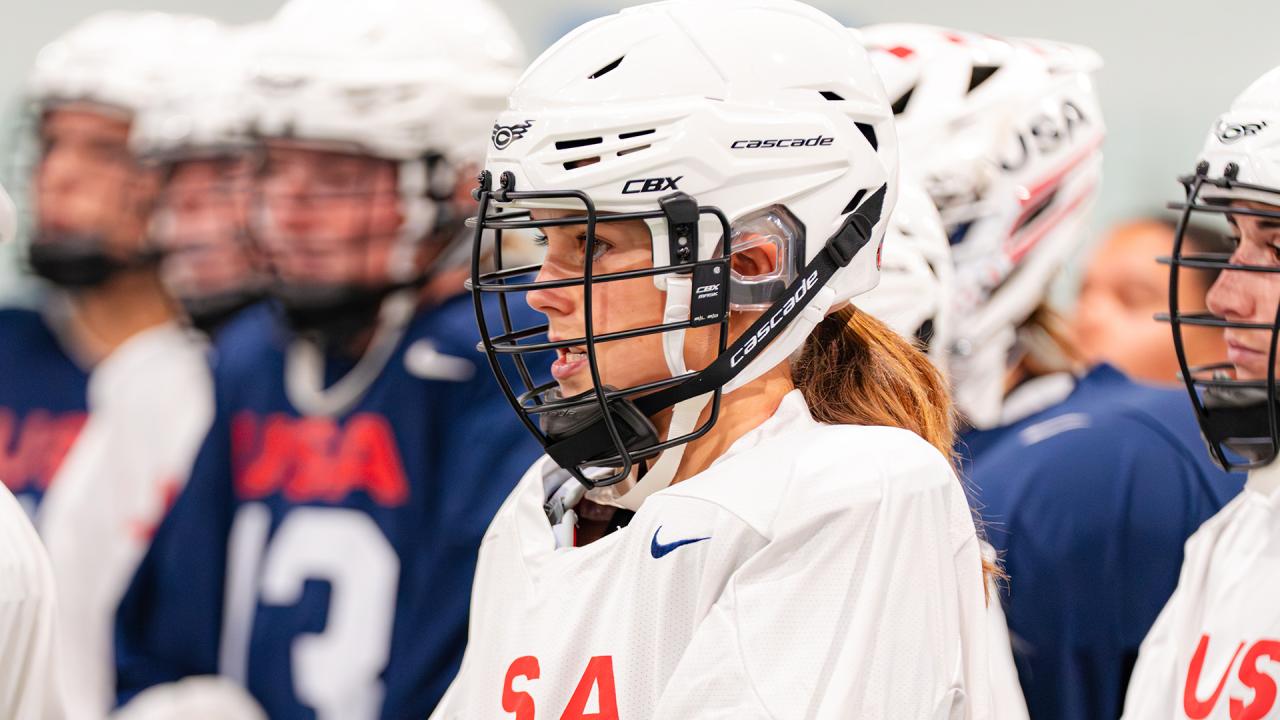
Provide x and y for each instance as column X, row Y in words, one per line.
column 1238, row 418
column 605, row 431
column 601, row 434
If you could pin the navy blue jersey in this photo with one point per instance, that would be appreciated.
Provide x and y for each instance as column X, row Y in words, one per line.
column 327, row 562
column 1089, row 503
column 42, row 404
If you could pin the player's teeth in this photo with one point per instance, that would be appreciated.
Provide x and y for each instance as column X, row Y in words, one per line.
column 574, row 356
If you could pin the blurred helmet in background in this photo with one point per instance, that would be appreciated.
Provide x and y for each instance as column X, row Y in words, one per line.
column 196, row 133
column 1006, row 136
column 1236, row 186
column 414, row 84
column 915, row 294
column 8, row 217
column 92, row 198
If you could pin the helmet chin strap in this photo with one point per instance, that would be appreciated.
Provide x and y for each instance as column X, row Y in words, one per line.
column 304, row 362
column 629, row 494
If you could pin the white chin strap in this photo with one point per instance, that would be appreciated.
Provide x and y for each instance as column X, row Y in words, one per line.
column 304, row 363
column 629, row 494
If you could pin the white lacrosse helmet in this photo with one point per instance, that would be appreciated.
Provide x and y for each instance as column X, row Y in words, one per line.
column 413, row 81
column 198, row 109
column 1006, row 136
column 765, row 116
column 115, row 59
column 914, row 296
column 1247, row 135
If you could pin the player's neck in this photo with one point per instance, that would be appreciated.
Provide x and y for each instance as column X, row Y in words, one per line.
column 741, row 411
column 105, row 317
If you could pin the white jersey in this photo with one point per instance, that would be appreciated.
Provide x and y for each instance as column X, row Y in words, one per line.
column 28, row 685
column 812, row 571
column 150, row 405
column 1214, row 651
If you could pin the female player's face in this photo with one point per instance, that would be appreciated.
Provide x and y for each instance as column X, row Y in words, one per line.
column 616, row 306
column 1243, row 296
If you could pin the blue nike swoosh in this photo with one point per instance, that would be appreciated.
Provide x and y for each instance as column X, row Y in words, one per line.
column 658, row 549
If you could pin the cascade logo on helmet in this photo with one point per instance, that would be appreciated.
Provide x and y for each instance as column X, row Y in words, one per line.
column 1229, row 132
column 504, row 135
column 1047, row 133
column 778, row 317
column 648, row 185
column 819, row 141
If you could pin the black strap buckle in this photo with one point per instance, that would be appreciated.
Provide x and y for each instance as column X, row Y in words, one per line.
column 681, row 211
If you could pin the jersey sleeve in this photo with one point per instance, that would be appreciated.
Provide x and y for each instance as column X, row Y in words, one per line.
column 28, row 685
column 863, row 604
column 109, row 495
column 168, row 623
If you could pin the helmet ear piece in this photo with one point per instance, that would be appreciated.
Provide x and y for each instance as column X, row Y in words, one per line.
column 777, row 232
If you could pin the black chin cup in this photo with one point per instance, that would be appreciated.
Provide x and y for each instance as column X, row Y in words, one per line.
column 209, row 313
column 571, row 443
column 333, row 316
column 1238, row 418
column 77, row 261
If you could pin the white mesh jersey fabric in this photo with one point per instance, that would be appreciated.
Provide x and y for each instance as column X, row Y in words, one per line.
column 1214, row 651
column 28, row 685
column 834, row 573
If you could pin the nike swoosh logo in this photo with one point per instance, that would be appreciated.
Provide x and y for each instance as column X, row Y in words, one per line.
column 658, row 549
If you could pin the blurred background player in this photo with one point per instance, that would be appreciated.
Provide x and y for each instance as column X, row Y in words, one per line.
column 150, row 396
column 1213, row 652
column 28, row 683
column 1122, row 292
column 1088, row 483
column 197, row 134
column 323, row 549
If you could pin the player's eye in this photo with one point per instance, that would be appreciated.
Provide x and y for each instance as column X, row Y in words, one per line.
column 540, row 240
column 602, row 246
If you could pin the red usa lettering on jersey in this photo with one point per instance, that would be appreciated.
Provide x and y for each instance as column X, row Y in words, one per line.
column 32, row 448
column 1259, row 683
column 316, row 459
column 596, row 679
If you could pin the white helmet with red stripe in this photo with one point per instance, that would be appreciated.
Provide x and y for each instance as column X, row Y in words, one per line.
column 1006, row 136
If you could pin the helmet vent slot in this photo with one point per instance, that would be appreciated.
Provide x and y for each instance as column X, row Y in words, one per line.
column 606, row 69
column 900, row 105
column 870, row 134
column 581, row 142
column 830, row 95
column 637, row 133
column 981, row 74
column 855, row 202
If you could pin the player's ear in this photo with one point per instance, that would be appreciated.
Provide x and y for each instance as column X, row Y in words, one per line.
column 755, row 260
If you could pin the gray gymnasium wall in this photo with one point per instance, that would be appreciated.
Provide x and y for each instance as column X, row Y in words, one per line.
column 1171, row 66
